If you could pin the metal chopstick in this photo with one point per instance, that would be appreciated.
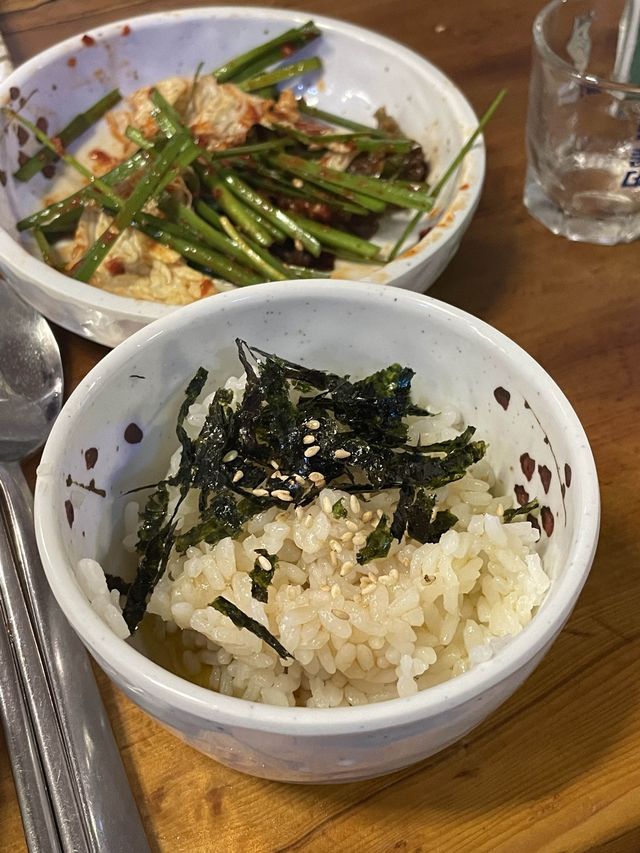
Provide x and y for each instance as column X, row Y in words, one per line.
column 109, row 815
column 36, row 808
column 35, row 688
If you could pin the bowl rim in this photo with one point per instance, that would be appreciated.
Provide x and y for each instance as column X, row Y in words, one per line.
column 151, row 679
column 59, row 285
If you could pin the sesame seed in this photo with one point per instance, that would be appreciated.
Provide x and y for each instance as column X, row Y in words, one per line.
column 326, row 505
column 379, row 513
column 367, row 516
column 299, row 480
column 346, row 536
column 237, row 476
column 335, row 591
column 259, row 493
column 351, row 525
column 348, row 565
column 325, row 588
column 341, row 453
column 500, row 510
column 299, row 512
column 266, row 565
column 311, row 451
column 354, row 505
column 372, row 577
column 298, row 183
column 341, row 614
column 335, row 546
column 394, row 575
column 274, row 464
column 334, row 559
column 316, row 477
column 314, row 424
column 308, row 522
column 359, row 539
column 367, row 589
column 281, row 494
column 230, row 456
column 308, row 439
column 276, row 476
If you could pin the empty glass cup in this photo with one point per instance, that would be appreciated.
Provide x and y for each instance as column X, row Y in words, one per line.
column 583, row 128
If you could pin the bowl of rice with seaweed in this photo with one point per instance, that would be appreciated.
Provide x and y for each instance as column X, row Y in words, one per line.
column 319, row 532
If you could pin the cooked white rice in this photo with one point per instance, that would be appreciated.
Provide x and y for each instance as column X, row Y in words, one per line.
column 358, row 634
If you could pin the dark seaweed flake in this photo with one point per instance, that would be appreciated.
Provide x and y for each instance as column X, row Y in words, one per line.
column 261, row 577
column 241, row 620
column 377, row 544
column 525, row 509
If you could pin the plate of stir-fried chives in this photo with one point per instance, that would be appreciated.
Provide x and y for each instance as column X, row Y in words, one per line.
column 273, row 207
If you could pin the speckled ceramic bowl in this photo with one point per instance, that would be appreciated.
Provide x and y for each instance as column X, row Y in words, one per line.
column 363, row 71
column 117, row 431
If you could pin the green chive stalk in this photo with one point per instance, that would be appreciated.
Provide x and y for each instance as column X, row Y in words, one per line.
column 202, row 255
column 280, row 219
column 287, row 72
column 76, row 127
column 285, row 42
column 143, row 191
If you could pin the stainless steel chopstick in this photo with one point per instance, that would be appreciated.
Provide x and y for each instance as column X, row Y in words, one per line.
column 36, row 808
column 109, row 814
column 35, row 688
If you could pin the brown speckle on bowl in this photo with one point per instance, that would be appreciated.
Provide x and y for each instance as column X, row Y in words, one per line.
column 126, row 30
column 91, row 457
column 14, row 93
column 68, row 508
column 88, row 41
column 42, row 124
column 528, row 466
column 545, row 477
column 88, row 487
column 502, row 396
column 522, row 495
column 22, row 158
column 546, row 517
column 567, row 474
column 133, row 434
column 49, row 170
column 72, row 62
column 23, row 135
column 3, row 178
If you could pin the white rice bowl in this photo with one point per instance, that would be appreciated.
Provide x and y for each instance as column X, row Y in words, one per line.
column 356, row 634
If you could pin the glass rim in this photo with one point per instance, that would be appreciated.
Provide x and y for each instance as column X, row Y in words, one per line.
column 546, row 52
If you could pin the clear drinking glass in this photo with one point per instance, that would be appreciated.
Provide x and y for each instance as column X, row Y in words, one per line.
column 583, row 128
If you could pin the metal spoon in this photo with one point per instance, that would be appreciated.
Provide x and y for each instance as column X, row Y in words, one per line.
column 71, row 784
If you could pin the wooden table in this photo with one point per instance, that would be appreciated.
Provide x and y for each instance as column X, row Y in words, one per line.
column 557, row 768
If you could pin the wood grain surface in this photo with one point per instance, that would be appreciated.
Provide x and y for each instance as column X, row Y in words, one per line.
column 557, row 768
